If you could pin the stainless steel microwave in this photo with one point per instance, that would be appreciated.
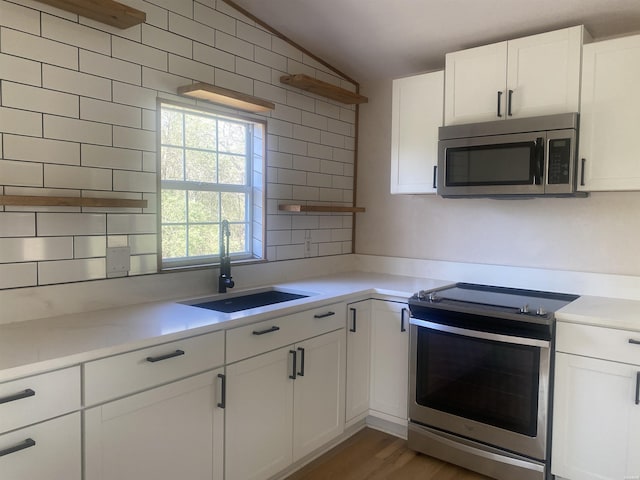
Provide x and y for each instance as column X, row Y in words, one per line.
column 521, row 157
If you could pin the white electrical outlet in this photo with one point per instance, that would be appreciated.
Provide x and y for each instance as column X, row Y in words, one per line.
column 307, row 243
column 118, row 261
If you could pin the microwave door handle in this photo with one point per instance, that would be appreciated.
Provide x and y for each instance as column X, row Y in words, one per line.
column 539, row 162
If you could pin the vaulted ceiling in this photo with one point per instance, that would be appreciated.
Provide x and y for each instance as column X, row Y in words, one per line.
column 368, row 39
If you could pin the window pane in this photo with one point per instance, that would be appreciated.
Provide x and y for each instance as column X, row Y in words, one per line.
column 174, row 241
column 172, row 164
column 237, row 242
column 203, row 240
column 201, row 166
column 171, row 125
column 233, row 206
column 203, row 206
column 233, row 170
column 200, row 132
column 174, row 206
column 233, row 137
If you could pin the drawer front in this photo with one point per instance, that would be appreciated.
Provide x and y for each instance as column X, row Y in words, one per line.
column 250, row 340
column 135, row 371
column 599, row 342
column 46, row 451
column 34, row 399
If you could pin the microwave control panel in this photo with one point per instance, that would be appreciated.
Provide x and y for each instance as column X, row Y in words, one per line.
column 559, row 161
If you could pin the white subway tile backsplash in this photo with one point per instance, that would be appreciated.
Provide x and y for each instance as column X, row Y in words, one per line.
column 126, row 181
column 269, row 92
column 111, row 157
column 213, row 56
column 253, row 70
column 62, row 176
column 137, row 53
column 319, row 180
column 290, row 145
column 331, row 195
column 165, row 82
column 304, row 222
column 108, row 112
column 272, row 59
column 332, row 139
column 307, row 134
column 112, row 68
column 233, row 45
column 306, row 193
column 65, row 271
column 37, row 48
column 74, row 82
column 20, row 70
column 292, row 177
column 279, row 159
column 343, row 155
column 213, row 18
column 17, row 224
column 234, row 81
column 61, row 128
column 253, row 35
column 60, row 224
column 289, row 114
column 122, row 224
column 308, row 164
column 89, row 247
column 133, row 138
column 143, row 244
column 340, row 127
column 280, row 127
column 289, row 252
column 134, row 95
column 149, row 161
column 327, row 109
column 19, row 18
column 27, row 174
column 34, row 249
column 166, row 41
column 182, row 7
column 195, row 70
column 284, row 48
column 34, row 149
column 333, row 168
column 20, row 122
column 61, row 30
column 156, row 16
column 320, row 151
column 279, row 191
column 314, row 120
column 15, row 275
column 331, row 248
column 143, row 264
column 27, row 97
column 279, row 222
column 149, row 120
column 191, row 29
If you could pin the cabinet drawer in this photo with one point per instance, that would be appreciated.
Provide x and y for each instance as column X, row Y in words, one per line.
column 599, row 342
column 264, row 336
column 34, row 399
column 141, row 369
column 46, row 451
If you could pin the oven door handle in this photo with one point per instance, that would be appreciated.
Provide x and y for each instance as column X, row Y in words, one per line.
column 533, row 342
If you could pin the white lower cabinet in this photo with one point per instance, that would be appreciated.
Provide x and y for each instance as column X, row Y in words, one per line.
column 358, row 360
column 172, row 431
column 389, row 359
column 282, row 405
column 45, row 451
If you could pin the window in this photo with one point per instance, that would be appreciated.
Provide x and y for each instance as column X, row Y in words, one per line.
column 210, row 170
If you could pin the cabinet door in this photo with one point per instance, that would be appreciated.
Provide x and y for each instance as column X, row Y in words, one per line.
column 543, row 73
column 389, row 358
column 46, row 451
column 259, row 416
column 416, row 115
column 609, row 115
column 318, row 402
column 358, row 360
column 169, row 432
column 474, row 79
column 594, row 419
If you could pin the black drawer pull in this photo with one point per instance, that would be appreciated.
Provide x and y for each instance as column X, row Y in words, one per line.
column 18, row 396
column 159, row 358
column 223, row 390
column 435, row 176
column 354, row 311
column 509, row 102
column 324, row 315
column 301, row 371
column 268, row 330
column 402, row 313
column 499, row 106
column 638, row 388
column 584, row 160
column 29, row 442
column 294, row 364
column 634, row 341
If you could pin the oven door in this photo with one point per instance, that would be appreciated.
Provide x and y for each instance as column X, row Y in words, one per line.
column 492, row 165
column 487, row 387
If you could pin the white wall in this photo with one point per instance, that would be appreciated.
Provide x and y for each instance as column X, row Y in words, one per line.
column 597, row 234
column 77, row 118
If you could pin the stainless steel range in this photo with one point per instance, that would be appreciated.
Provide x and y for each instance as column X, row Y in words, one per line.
column 480, row 366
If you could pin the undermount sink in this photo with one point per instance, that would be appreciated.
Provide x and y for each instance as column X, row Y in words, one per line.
column 250, row 300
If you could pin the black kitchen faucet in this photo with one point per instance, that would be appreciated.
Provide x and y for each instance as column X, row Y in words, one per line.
column 225, row 280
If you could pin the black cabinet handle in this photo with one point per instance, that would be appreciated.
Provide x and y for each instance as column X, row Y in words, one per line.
column 402, row 327
column 634, row 341
column 268, row 330
column 638, row 388
column 499, row 102
column 354, row 312
column 435, row 175
column 324, row 315
column 509, row 101
column 301, row 371
column 538, row 176
column 223, row 390
column 294, row 364
column 18, row 396
column 29, row 442
column 167, row 356
column 584, row 160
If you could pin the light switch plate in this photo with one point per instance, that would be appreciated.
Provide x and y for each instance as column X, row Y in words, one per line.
column 118, row 261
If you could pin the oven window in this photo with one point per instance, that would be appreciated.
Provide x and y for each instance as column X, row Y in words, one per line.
column 503, row 164
column 487, row 381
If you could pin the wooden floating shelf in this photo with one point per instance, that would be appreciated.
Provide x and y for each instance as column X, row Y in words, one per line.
column 226, row 97
column 320, row 208
column 42, row 201
column 105, row 11
column 323, row 89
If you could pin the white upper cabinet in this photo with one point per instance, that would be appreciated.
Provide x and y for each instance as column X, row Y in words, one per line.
column 609, row 148
column 526, row 77
column 416, row 115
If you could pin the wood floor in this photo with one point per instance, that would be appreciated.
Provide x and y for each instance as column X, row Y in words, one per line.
column 375, row 455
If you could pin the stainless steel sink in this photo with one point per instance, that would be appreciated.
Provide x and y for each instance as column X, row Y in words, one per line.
column 250, row 300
